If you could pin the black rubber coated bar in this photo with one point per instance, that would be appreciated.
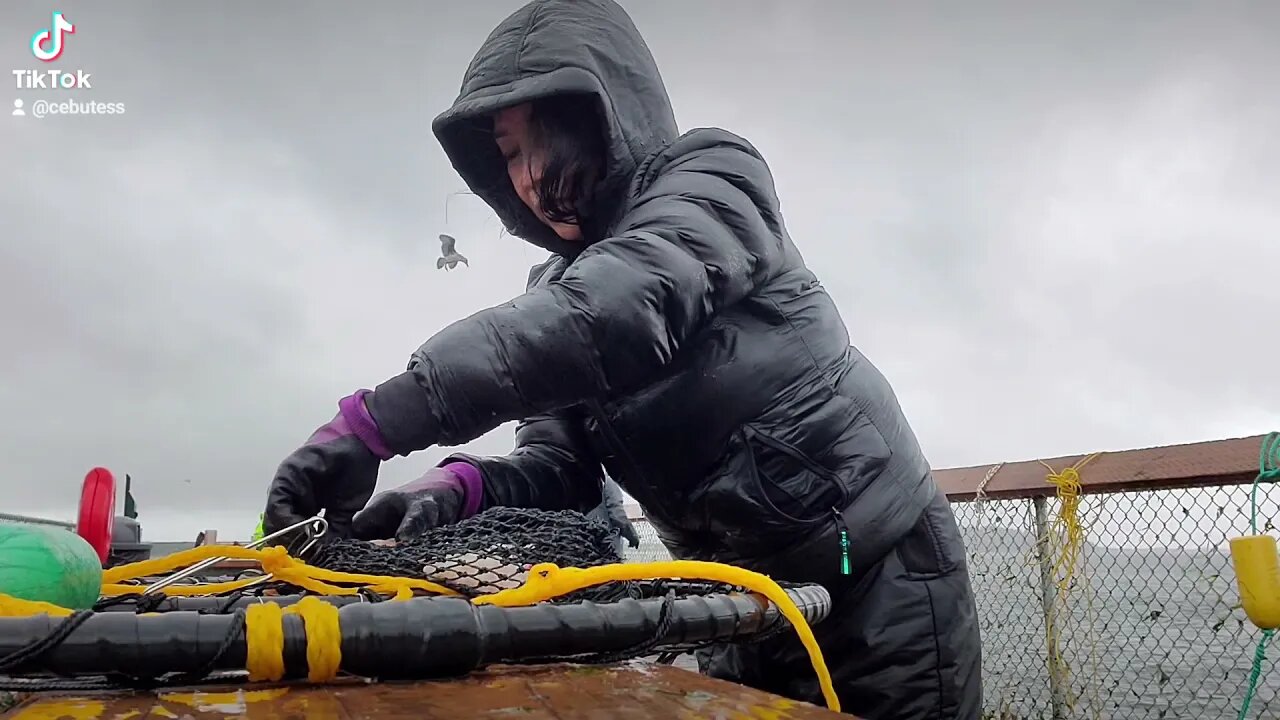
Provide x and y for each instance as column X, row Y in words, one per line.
column 421, row 638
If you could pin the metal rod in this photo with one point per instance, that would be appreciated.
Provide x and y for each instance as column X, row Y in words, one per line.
column 1048, row 601
column 29, row 520
column 316, row 527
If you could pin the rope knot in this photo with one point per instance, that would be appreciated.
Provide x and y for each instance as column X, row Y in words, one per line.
column 276, row 559
column 1067, row 481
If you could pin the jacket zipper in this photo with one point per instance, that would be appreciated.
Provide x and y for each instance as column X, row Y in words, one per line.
column 845, row 564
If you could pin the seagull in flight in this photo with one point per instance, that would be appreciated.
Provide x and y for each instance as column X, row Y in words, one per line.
column 449, row 257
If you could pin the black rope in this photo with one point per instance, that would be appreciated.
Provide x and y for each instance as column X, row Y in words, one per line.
column 97, row 683
column 142, row 603
column 104, row 603
column 666, row 658
column 781, row 627
column 235, row 633
column 226, row 605
column 28, row 685
column 33, row 651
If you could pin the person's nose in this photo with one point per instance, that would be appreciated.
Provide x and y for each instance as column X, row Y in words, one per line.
column 523, row 182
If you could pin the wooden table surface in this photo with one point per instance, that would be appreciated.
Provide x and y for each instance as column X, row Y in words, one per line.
column 634, row 689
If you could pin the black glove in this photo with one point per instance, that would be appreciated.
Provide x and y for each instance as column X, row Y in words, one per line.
column 437, row 498
column 335, row 470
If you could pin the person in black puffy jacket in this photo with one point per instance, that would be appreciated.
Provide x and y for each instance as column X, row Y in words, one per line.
column 676, row 339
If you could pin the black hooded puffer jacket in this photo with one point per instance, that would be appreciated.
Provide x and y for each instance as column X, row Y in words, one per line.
column 686, row 347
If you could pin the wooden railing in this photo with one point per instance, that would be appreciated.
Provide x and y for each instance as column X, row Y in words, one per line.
column 1203, row 464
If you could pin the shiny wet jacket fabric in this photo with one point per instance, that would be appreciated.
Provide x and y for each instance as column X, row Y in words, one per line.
column 688, row 349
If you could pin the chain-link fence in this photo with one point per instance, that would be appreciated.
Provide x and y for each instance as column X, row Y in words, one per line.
column 1148, row 626
column 651, row 548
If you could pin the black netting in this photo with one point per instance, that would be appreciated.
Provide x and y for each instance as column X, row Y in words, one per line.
column 494, row 551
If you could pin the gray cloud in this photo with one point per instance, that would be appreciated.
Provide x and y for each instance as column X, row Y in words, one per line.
column 1052, row 227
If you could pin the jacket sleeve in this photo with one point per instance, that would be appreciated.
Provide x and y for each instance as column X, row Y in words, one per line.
column 702, row 232
column 550, row 468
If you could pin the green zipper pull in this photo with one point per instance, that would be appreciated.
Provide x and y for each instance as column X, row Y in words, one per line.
column 845, row 566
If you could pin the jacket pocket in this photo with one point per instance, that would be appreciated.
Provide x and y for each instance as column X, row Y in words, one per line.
column 798, row 486
column 754, row 502
column 749, row 514
column 934, row 547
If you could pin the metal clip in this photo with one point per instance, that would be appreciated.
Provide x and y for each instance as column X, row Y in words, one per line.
column 315, row 527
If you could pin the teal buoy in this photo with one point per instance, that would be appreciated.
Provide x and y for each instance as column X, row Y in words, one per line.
column 49, row 564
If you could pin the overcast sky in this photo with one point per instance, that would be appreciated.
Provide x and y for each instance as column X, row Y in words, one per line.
column 1052, row 227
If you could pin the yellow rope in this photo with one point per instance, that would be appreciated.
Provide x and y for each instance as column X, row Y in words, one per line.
column 264, row 642
column 264, row 638
column 324, row 637
column 1068, row 521
column 17, row 607
column 1071, row 530
column 274, row 560
column 547, row 581
column 264, row 633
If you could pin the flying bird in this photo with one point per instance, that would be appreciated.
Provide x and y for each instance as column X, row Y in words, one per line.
column 449, row 257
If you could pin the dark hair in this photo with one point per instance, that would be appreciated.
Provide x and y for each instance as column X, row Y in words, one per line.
column 570, row 129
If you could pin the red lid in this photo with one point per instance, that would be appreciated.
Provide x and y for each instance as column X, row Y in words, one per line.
column 97, row 510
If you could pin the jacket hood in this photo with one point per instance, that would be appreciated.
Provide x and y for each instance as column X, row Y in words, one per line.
column 557, row 47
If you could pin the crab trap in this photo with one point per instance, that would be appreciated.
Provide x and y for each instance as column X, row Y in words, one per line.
column 507, row 586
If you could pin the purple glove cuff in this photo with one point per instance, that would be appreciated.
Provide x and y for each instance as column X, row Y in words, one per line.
column 472, row 484
column 353, row 410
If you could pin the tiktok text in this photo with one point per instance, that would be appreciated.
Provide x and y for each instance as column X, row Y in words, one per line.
column 52, row 80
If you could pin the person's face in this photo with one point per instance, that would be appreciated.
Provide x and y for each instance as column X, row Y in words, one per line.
column 525, row 161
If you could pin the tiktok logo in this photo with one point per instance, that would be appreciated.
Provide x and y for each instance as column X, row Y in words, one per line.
column 46, row 44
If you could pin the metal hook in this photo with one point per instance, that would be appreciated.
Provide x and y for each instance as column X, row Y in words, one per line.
column 315, row 527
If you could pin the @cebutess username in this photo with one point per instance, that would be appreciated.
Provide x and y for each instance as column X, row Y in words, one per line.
column 76, row 107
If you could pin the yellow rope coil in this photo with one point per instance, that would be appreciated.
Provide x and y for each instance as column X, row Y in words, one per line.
column 324, row 637
column 264, row 637
column 264, row 642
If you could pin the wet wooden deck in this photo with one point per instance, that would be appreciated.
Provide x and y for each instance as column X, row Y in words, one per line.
column 625, row 691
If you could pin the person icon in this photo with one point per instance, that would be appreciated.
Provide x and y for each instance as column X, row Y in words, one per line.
column 17, row 108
